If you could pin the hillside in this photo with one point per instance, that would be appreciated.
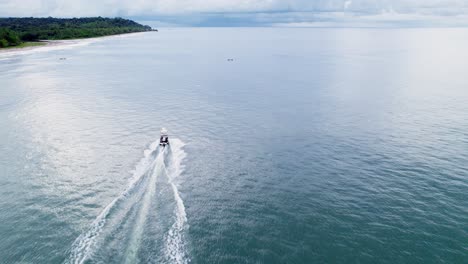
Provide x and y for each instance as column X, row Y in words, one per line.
column 14, row 31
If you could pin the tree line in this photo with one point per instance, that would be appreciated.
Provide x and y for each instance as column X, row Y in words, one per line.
column 14, row 31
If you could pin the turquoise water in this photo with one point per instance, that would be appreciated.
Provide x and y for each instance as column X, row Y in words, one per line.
column 311, row 146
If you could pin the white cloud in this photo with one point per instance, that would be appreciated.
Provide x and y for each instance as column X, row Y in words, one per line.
column 279, row 12
column 347, row 4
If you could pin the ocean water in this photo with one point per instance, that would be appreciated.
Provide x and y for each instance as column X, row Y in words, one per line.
column 310, row 146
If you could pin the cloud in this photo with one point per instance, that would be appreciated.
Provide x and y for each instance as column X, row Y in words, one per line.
column 255, row 12
column 347, row 4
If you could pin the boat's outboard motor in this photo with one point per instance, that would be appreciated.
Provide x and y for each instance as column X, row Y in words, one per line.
column 164, row 139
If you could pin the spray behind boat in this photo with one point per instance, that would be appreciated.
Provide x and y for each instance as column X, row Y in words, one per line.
column 164, row 139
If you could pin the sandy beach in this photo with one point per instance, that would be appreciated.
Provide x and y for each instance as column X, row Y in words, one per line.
column 49, row 44
column 60, row 44
column 46, row 43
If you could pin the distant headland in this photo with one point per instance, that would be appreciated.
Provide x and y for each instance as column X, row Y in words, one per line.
column 28, row 31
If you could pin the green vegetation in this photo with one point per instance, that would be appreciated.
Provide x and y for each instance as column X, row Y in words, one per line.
column 15, row 31
column 8, row 38
column 27, row 44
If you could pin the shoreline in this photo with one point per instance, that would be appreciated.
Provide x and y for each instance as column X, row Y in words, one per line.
column 60, row 43
column 46, row 43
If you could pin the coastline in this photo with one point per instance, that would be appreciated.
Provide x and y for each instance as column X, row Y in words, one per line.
column 61, row 43
column 46, row 43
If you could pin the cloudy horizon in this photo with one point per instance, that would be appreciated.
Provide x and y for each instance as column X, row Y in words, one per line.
column 285, row 13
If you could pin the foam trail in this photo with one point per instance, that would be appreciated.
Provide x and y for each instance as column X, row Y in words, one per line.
column 175, row 244
column 135, row 241
column 83, row 246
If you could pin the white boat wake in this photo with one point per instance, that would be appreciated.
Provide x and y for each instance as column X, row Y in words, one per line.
column 175, row 244
column 143, row 183
column 135, row 241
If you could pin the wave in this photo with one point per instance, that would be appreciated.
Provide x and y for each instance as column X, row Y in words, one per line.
column 136, row 238
column 131, row 210
column 175, row 245
column 83, row 246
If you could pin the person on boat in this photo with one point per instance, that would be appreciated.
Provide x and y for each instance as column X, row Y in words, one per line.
column 164, row 139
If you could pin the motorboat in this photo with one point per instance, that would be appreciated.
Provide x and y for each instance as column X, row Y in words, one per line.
column 164, row 139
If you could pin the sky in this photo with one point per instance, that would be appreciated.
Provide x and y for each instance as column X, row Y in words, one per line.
column 279, row 13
